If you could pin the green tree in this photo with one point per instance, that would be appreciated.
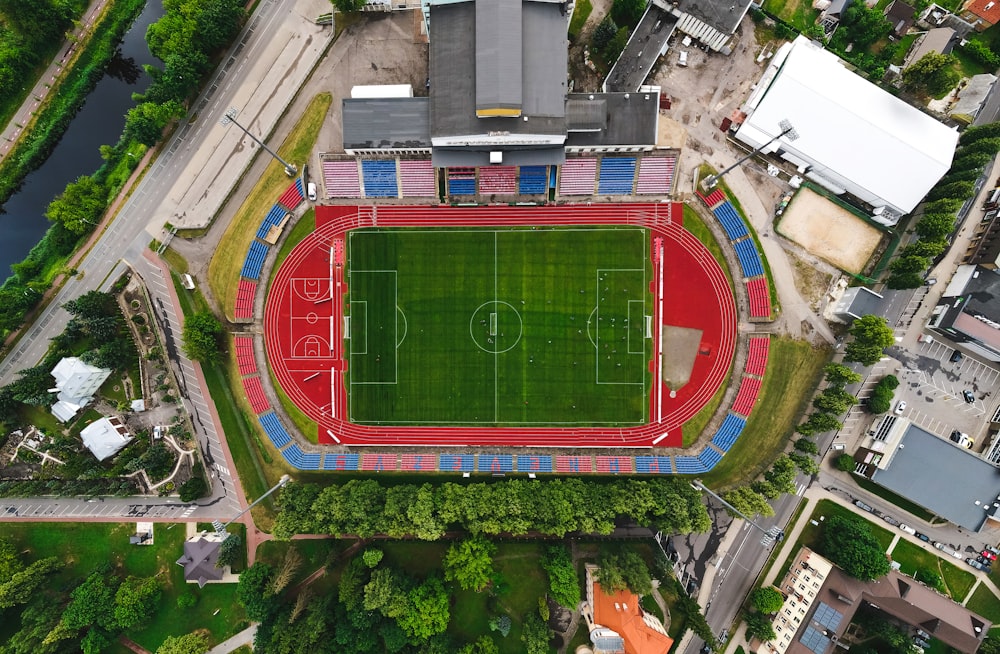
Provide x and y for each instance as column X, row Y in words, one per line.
column 202, row 336
column 759, row 627
column 924, row 248
column 470, row 563
column 372, row 557
column 145, row 122
column 848, row 541
column 819, row 422
column 230, row 551
column 92, row 305
column 564, row 583
column 628, row 12
column 804, row 462
column 834, row 400
column 880, row 400
column 80, row 206
column 32, row 386
column 92, row 604
column 935, row 226
column 840, row 375
column 535, row 634
column 253, row 592
column 427, row 612
column 909, row 264
column 486, row 645
column 19, row 587
column 807, row 446
column 897, row 281
column 845, row 463
column 933, row 74
column 348, row 6
column 194, row 643
column 604, row 33
column 872, row 335
column 955, row 190
column 136, row 601
column 748, row 502
column 193, row 488
column 767, row 600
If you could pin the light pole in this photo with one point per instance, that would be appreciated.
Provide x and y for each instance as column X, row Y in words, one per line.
column 786, row 130
column 221, row 528
column 230, row 117
column 774, row 533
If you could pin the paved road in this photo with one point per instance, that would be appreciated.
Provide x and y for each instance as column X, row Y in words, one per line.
column 14, row 130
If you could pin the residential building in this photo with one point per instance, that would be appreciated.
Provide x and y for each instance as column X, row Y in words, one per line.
column 850, row 136
column 982, row 14
column 617, row 623
column 901, row 16
column 201, row 558
column 821, row 600
column 856, row 301
column 76, row 384
column 968, row 312
column 972, row 97
column 940, row 40
column 105, row 437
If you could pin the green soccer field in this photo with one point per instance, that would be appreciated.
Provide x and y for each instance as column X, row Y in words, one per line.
column 518, row 326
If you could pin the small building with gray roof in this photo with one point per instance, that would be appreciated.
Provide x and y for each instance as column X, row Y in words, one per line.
column 968, row 312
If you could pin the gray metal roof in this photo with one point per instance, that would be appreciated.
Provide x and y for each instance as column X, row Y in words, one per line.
column 584, row 115
column 865, row 302
column 942, row 477
column 386, row 122
column 542, row 52
column 498, row 59
column 542, row 156
column 723, row 15
column 631, row 118
column 642, row 50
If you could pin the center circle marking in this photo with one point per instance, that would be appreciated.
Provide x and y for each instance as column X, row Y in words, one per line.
column 508, row 327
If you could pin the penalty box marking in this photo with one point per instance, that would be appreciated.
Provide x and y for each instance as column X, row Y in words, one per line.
column 597, row 320
column 395, row 327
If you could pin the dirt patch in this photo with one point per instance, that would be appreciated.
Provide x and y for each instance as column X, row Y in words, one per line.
column 829, row 231
column 682, row 344
column 811, row 282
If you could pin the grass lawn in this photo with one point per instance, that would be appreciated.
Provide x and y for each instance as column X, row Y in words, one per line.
column 958, row 581
column 580, row 14
column 224, row 269
column 797, row 13
column 893, row 498
column 912, row 557
column 87, row 546
column 500, row 331
column 794, row 368
column 985, row 603
column 315, row 553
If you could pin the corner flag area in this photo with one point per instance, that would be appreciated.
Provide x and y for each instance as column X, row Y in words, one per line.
column 501, row 326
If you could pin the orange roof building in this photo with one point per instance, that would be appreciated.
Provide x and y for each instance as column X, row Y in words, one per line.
column 618, row 625
column 982, row 14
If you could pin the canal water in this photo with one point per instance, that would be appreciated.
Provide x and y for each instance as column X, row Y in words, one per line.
column 99, row 122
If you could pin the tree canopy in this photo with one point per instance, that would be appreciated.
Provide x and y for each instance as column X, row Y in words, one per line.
column 767, row 599
column 848, row 541
column 872, row 335
column 470, row 563
column 202, row 336
column 194, row 643
column 933, row 74
column 564, row 582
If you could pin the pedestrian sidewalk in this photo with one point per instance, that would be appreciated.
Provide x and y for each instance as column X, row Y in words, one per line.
column 245, row 637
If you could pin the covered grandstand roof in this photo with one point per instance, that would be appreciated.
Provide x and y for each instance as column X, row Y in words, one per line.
column 627, row 118
column 849, row 130
column 386, row 123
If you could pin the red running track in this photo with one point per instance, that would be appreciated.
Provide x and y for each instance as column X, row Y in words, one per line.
column 303, row 324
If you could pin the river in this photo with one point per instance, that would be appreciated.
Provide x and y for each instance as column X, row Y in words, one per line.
column 99, row 122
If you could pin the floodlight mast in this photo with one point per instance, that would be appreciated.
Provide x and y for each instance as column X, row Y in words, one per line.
column 786, row 130
column 221, row 528
column 777, row 534
column 230, row 117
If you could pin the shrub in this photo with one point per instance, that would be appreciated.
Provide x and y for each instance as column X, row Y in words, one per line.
column 845, row 463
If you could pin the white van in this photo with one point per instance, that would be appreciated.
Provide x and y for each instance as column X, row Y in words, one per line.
column 908, row 529
column 682, row 58
column 311, row 191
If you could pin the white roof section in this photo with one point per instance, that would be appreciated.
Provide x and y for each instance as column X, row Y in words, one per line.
column 850, row 126
column 368, row 91
column 70, row 368
column 105, row 437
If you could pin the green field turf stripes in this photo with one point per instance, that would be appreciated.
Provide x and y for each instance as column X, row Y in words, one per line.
column 498, row 326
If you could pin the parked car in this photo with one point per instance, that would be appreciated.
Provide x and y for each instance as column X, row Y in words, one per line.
column 968, row 396
column 930, row 281
column 908, row 529
column 955, row 357
column 989, row 555
column 864, row 507
column 900, row 407
column 923, row 537
column 157, row 432
column 974, row 563
column 311, row 191
column 993, row 549
column 892, row 521
column 682, row 58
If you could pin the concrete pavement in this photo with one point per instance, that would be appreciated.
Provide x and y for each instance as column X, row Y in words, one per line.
column 245, row 637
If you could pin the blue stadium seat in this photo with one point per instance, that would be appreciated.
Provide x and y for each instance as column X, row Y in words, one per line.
column 709, row 457
column 255, row 260
column 616, row 176
column 275, row 430
column 456, row 462
column 729, row 432
column 534, row 463
column 462, row 186
column 689, row 465
column 731, row 221
column 746, row 252
column 653, row 465
column 301, row 460
column 532, row 180
column 495, row 463
column 273, row 217
column 379, row 176
column 341, row 462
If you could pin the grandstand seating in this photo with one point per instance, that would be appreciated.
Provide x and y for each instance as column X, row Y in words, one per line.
column 746, row 397
column 341, row 462
column 498, row 179
column 301, row 460
column 730, row 430
column 577, row 176
column 379, row 178
column 419, row 462
column 275, row 430
column 760, row 298
column 417, row 178
column 456, row 462
column 293, row 195
column 757, row 356
column 254, row 261
column 244, row 355
column 574, row 464
column 653, row 465
column 614, row 464
column 617, row 176
column 255, row 393
column 495, row 463
column 656, row 176
column 750, row 262
column 244, row 299
column 378, row 461
column 534, row 463
column 689, row 465
column 461, row 181
column 340, row 179
column 713, row 198
column 273, row 217
column 710, row 457
column 532, row 180
column 731, row 221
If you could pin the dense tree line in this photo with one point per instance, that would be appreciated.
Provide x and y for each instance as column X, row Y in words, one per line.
column 848, row 541
column 553, row 507
column 977, row 146
column 29, row 30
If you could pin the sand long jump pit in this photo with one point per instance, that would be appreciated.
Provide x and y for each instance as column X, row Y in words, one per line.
column 829, row 231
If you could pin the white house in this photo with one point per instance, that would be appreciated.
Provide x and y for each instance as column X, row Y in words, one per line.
column 76, row 383
column 105, row 437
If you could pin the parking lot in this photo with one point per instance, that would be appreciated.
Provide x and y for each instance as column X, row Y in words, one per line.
column 932, row 386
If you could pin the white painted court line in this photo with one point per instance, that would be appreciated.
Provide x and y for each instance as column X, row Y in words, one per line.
column 496, row 356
